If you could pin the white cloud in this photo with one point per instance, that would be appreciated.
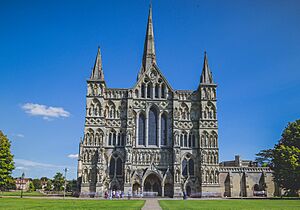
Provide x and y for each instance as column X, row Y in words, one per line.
column 37, row 169
column 73, row 156
column 46, row 112
column 19, row 135
column 21, row 168
column 29, row 163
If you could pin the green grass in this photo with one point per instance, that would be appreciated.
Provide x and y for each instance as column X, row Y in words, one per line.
column 59, row 204
column 18, row 193
column 230, row 204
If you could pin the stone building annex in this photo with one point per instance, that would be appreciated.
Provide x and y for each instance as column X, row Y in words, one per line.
column 152, row 138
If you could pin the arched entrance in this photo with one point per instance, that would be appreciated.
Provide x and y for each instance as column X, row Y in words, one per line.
column 152, row 184
column 136, row 188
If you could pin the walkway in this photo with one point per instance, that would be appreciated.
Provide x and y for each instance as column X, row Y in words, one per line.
column 151, row 204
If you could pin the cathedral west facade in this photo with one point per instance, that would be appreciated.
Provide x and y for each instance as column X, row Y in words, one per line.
column 152, row 138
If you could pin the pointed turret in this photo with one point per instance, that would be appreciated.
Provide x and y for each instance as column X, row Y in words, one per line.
column 97, row 73
column 149, row 48
column 206, row 76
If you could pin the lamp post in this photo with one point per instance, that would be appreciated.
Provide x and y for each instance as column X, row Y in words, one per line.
column 22, row 184
column 65, row 182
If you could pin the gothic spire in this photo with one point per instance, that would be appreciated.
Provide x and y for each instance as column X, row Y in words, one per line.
column 149, row 49
column 206, row 76
column 97, row 73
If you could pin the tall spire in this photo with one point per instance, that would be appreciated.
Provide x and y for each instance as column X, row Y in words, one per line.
column 206, row 76
column 97, row 73
column 149, row 49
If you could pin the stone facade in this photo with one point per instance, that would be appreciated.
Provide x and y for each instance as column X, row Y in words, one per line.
column 152, row 138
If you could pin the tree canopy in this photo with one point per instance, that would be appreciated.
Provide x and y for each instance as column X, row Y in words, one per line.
column 6, row 163
column 284, row 159
column 58, row 181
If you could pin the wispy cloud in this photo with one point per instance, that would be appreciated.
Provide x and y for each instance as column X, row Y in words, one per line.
column 73, row 156
column 47, row 112
column 19, row 135
column 38, row 169
column 29, row 163
column 33, row 164
column 21, row 168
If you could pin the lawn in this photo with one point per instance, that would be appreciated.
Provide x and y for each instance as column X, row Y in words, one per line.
column 18, row 193
column 230, row 204
column 58, row 204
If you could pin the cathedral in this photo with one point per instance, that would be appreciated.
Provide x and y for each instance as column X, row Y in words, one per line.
column 154, row 139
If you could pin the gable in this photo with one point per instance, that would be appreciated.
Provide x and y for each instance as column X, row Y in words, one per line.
column 152, row 78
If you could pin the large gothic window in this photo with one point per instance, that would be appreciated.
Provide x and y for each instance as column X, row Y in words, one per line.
column 141, row 130
column 164, row 130
column 112, row 166
column 187, row 166
column 191, row 167
column 119, row 166
column 115, row 166
column 152, row 128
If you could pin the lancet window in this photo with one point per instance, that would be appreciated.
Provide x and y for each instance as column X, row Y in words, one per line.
column 164, row 129
column 152, row 128
column 187, row 166
column 142, row 129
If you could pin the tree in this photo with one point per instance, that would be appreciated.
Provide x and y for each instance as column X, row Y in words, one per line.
column 6, row 163
column 31, row 187
column 58, row 181
column 44, row 179
column 284, row 159
column 71, row 186
column 49, row 185
column 37, row 183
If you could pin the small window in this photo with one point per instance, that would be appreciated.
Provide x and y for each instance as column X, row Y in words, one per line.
column 110, row 139
column 114, row 139
column 163, row 91
column 185, row 140
column 149, row 90
column 157, row 91
column 143, row 90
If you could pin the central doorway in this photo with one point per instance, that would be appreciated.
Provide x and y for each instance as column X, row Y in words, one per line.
column 152, row 184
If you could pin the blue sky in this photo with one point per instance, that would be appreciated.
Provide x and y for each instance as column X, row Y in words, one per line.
column 48, row 49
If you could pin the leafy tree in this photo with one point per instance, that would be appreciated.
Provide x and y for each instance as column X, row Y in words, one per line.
column 37, row 183
column 31, row 187
column 58, row 181
column 71, row 186
column 44, row 179
column 284, row 159
column 6, row 163
column 49, row 185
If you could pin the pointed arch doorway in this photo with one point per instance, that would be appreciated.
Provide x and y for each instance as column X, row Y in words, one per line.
column 153, row 184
